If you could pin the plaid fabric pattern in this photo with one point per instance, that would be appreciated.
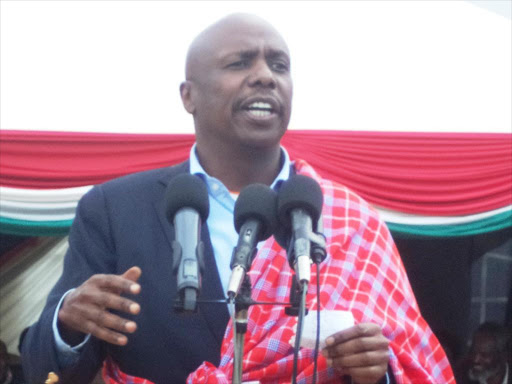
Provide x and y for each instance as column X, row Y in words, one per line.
column 363, row 273
column 113, row 375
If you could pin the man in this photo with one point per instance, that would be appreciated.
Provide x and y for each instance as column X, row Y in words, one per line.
column 487, row 361
column 117, row 273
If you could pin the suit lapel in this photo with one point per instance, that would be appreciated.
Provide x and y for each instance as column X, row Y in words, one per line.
column 215, row 314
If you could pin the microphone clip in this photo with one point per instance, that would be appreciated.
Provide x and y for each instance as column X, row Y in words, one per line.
column 318, row 247
column 186, row 300
column 317, row 253
column 242, row 303
column 295, row 295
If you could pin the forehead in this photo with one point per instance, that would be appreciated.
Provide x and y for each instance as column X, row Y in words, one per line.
column 249, row 38
column 484, row 343
column 244, row 34
column 237, row 34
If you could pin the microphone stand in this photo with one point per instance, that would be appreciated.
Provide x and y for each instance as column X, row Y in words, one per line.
column 242, row 303
column 298, row 292
column 188, row 300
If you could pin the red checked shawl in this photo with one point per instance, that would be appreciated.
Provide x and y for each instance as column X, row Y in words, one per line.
column 363, row 273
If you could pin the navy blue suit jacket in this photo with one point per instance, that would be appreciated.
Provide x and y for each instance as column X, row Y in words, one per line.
column 118, row 225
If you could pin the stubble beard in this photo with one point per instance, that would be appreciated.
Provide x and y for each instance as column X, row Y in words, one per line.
column 483, row 375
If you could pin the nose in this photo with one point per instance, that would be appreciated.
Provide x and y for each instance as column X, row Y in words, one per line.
column 262, row 75
column 477, row 358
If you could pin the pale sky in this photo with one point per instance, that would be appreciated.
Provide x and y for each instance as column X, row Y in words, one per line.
column 115, row 66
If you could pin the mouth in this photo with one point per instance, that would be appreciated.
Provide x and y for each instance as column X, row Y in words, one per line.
column 476, row 368
column 261, row 108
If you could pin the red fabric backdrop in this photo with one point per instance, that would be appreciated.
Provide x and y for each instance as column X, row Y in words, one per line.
column 425, row 173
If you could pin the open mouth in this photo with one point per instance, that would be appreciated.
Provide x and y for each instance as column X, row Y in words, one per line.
column 260, row 109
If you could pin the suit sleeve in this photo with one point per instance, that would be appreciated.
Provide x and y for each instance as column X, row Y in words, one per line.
column 91, row 251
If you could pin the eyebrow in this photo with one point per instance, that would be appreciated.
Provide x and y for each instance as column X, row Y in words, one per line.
column 275, row 53
column 270, row 53
column 248, row 53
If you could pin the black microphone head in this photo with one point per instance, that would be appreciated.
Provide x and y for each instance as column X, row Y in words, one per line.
column 257, row 201
column 299, row 191
column 187, row 190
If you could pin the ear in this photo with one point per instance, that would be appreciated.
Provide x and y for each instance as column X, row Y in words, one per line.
column 186, row 97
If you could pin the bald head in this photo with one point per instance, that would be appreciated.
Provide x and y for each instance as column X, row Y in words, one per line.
column 238, row 89
column 210, row 41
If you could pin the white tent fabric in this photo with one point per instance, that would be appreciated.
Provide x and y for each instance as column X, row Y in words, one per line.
column 43, row 195
column 383, row 65
column 60, row 204
column 410, row 219
column 38, row 211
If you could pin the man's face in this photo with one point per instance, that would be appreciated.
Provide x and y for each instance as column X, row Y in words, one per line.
column 241, row 87
column 485, row 359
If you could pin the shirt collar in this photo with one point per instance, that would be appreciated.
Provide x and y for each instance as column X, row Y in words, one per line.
column 197, row 169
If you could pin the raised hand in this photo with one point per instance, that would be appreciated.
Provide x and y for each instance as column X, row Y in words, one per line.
column 87, row 309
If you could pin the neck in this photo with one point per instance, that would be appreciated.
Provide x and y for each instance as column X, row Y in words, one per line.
column 237, row 169
column 498, row 377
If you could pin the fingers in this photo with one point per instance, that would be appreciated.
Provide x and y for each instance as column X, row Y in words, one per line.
column 88, row 308
column 99, row 323
column 357, row 331
column 132, row 274
column 361, row 351
column 360, row 338
column 117, row 284
column 364, row 359
column 111, row 301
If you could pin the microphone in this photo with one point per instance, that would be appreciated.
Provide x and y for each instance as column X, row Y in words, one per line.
column 187, row 208
column 299, row 208
column 255, row 219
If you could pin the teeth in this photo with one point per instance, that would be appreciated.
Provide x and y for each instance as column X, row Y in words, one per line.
column 260, row 109
column 260, row 105
column 259, row 113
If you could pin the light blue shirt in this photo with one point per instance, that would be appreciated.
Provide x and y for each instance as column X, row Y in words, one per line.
column 222, row 234
column 220, row 221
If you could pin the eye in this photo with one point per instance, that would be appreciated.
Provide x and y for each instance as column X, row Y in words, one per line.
column 239, row 64
column 280, row 66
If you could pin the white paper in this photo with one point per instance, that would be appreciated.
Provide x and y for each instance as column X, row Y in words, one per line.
column 330, row 323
